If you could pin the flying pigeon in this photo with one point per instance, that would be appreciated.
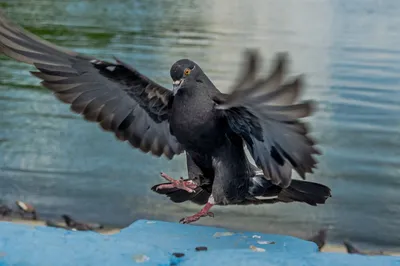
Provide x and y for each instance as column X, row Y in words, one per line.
column 195, row 118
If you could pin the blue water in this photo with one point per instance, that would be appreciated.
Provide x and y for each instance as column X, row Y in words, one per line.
column 349, row 51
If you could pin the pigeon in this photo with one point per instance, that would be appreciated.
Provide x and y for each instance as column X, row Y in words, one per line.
column 212, row 128
column 319, row 238
column 351, row 249
column 71, row 223
column 51, row 223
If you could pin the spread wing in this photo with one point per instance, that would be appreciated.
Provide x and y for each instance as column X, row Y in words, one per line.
column 264, row 113
column 114, row 95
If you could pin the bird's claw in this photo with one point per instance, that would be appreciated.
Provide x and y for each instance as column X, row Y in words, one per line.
column 196, row 217
column 188, row 185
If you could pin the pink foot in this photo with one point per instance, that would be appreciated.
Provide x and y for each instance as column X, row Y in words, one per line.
column 187, row 185
column 202, row 213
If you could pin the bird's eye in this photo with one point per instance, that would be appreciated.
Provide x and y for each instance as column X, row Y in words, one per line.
column 187, row 71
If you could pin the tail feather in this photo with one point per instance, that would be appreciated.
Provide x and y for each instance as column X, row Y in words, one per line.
column 299, row 190
column 304, row 191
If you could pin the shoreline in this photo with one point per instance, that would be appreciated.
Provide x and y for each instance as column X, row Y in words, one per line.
column 328, row 248
column 106, row 230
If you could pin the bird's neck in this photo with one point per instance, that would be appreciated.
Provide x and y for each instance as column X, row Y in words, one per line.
column 194, row 93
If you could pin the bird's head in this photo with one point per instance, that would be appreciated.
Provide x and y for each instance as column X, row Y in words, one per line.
column 182, row 71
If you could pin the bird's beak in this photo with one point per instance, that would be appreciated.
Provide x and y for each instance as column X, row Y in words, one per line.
column 176, row 85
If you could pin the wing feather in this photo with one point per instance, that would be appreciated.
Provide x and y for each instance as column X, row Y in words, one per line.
column 265, row 114
column 115, row 95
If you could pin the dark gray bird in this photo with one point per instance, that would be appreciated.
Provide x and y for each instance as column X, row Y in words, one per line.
column 54, row 224
column 351, row 249
column 80, row 226
column 319, row 238
column 211, row 127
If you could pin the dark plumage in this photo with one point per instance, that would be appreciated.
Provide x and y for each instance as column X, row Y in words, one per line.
column 73, row 224
column 351, row 249
column 260, row 191
column 195, row 117
column 319, row 238
column 54, row 224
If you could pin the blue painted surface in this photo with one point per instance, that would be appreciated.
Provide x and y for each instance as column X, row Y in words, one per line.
column 154, row 242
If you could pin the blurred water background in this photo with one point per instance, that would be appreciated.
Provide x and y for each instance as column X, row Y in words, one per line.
column 349, row 51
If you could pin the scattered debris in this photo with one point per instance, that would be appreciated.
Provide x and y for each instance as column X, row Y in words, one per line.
column 201, row 248
column 176, row 258
column 319, row 238
column 178, row 254
column 219, row 234
column 140, row 258
column 70, row 224
column 256, row 236
column 265, row 242
column 26, row 208
column 256, row 249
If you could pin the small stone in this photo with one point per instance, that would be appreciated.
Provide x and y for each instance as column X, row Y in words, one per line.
column 178, row 254
column 266, row 242
column 219, row 234
column 201, row 248
column 256, row 249
column 140, row 258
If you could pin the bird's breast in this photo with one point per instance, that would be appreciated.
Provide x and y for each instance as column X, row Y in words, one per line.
column 195, row 124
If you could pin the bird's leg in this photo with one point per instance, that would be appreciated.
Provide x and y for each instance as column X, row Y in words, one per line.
column 187, row 185
column 202, row 213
